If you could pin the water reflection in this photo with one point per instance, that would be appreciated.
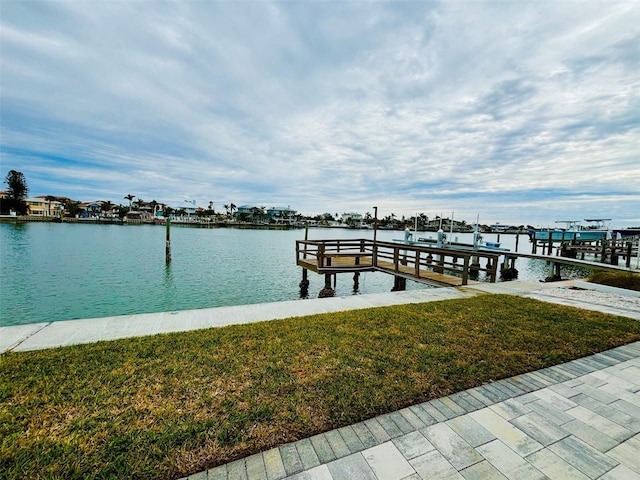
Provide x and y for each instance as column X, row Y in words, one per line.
column 539, row 270
column 169, row 288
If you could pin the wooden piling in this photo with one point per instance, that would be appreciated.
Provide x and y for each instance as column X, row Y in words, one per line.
column 304, row 283
column 167, row 253
column 399, row 284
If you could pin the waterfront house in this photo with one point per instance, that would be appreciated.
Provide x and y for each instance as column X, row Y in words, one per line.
column 281, row 215
column 184, row 211
column 41, row 206
column 250, row 213
column 91, row 209
column 352, row 218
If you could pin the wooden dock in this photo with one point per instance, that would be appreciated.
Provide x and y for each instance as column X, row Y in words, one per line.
column 420, row 263
column 625, row 248
column 442, row 267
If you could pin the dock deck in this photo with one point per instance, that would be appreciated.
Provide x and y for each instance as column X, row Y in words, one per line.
column 424, row 264
column 442, row 267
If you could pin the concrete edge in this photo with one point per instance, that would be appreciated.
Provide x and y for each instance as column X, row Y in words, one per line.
column 606, row 289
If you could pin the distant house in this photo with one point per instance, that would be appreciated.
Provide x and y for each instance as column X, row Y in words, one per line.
column 246, row 209
column 250, row 213
column 281, row 215
column 352, row 218
column 136, row 216
column 41, row 207
column 189, row 207
column 502, row 228
column 91, row 209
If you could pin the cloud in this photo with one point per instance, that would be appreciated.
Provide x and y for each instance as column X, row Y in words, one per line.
column 520, row 112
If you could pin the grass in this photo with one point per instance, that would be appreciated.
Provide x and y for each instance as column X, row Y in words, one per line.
column 628, row 280
column 171, row 405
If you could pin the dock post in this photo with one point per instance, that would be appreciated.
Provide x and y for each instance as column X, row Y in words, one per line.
column 517, row 240
column 374, row 255
column 492, row 268
column 327, row 291
column 465, row 271
column 614, row 255
column 356, row 281
column 475, row 266
column 553, row 272
column 304, row 284
column 628, row 262
column 167, row 248
column 399, row 284
column 508, row 272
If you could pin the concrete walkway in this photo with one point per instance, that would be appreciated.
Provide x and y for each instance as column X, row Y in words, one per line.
column 579, row 420
column 56, row 334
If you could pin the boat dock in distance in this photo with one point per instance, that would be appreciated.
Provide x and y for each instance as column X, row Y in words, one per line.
column 437, row 266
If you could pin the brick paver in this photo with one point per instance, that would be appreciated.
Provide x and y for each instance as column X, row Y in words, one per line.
column 579, row 420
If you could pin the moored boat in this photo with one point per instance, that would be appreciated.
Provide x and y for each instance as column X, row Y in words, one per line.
column 443, row 242
column 573, row 231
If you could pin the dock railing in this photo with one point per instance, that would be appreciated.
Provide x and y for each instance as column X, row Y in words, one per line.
column 423, row 263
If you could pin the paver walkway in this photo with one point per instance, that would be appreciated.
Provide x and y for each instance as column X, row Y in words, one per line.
column 578, row 420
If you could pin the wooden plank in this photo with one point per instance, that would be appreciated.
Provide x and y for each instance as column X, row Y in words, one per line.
column 426, row 276
column 347, row 264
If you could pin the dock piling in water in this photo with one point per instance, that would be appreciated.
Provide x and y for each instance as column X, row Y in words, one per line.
column 167, row 253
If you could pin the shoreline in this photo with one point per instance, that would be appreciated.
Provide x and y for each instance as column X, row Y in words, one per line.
column 229, row 224
column 73, row 332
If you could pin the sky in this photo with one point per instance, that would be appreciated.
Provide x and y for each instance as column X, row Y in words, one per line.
column 520, row 112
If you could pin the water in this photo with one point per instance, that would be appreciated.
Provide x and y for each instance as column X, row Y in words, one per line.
column 51, row 271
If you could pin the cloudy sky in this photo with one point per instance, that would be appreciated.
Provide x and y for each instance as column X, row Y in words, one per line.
column 520, row 111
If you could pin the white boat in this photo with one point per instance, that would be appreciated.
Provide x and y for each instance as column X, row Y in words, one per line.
column 441, row 241
column 574, row 231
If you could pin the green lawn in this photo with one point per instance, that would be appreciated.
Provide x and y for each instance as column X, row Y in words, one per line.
column 170, row 405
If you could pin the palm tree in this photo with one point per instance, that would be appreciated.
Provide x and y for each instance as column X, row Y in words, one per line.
column 106, row 206
column 129, row 197
column 226, row 207
column 232, row 207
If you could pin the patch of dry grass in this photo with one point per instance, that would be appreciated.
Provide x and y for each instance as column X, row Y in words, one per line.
column 630, row 281
column 170, row 405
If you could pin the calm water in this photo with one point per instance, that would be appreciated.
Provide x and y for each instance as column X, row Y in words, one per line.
column 51, row 272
